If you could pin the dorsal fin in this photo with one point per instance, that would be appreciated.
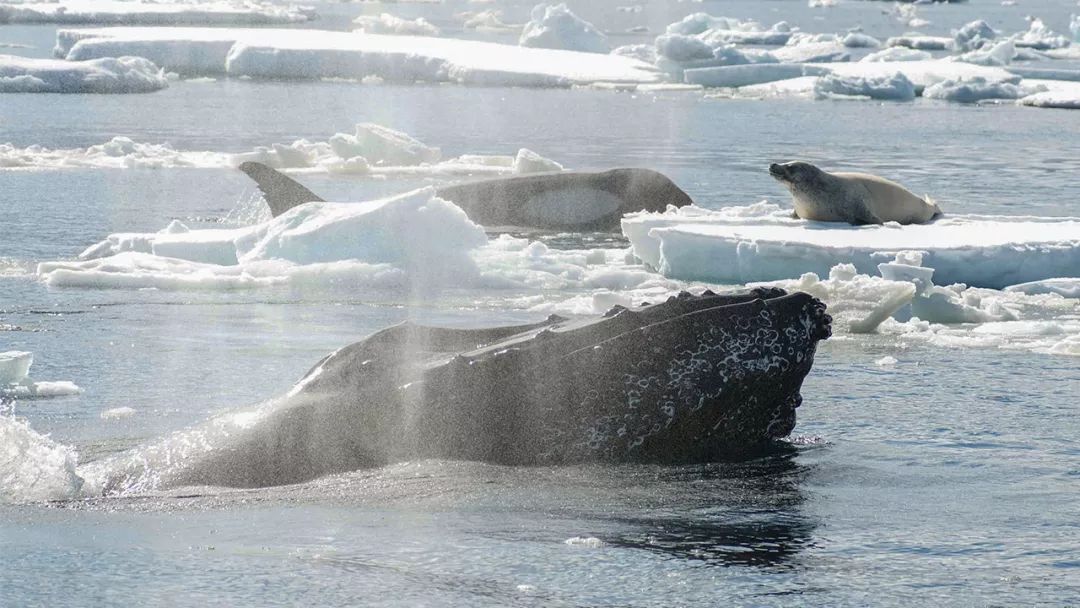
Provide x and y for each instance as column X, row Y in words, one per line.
column 280, row 191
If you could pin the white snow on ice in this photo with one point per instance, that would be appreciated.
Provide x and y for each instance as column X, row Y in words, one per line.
column 105, row 75
column 314, row 54
column 762, row 242
column 112, row 12
column 554, row 26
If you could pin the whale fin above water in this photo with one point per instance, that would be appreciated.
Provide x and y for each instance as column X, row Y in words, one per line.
column 280, row 191
column 563, row 200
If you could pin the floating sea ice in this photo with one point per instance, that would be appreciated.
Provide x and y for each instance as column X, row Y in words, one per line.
column 762, row 243
column 894, row 88
column 908, row 14
column 14, row 366
column 813, row 52
column 896, row 53
column 316, row 54
column 1039, row 36
column 977, row 88
column 953, row 304
column 386, row 23
column 974, row 35
column 998, row 54
column 528, row 161
column 922, row 43
column 109, row 12
column 1054, row 94
column 15, row 381
column 554, row 26
column 1066, row 288
column 381, row 145
column 117, row 413
column 106, row 75
column 857, row 302
column 860, row 40
column 489, row 20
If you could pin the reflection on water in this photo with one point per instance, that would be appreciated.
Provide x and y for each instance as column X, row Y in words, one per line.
column 737, row 514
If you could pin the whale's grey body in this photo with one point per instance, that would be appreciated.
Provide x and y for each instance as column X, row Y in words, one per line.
column 695, row 378
column 564, row 200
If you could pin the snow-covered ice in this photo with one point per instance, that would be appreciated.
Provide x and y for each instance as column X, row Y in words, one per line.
column 314, row 54
column 385, row 23
column 1066, row 288
column 113, row 12
column 16, row 382
column 105, row 75
column 14, row 366
column 370, row 150
column 762, row 242
column 977, row 89
column 554, row 26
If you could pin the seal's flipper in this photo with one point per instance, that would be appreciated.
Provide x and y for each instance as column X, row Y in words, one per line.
column 280, row 191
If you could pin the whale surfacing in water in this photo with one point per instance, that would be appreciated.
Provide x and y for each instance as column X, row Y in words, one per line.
column 695, row 378
column 564, row 200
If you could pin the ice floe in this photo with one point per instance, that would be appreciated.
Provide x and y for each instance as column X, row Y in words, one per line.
column 385, row 23
column 15, row 381
column 314, row 54
column 370, row 150
column 414, row 239
column 976, row 89
column 554, row 26
column 105, row 75
column 896, row 87
column 1039, row 36
column 1067, row 288
column 112, row 12
column 736, row 245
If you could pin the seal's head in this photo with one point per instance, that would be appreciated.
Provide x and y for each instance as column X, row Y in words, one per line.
column 796, row 174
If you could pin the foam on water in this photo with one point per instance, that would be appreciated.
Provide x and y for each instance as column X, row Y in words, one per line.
column 34, row 467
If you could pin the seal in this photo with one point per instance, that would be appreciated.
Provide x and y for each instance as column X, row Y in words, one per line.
column 855, row 198
column 563, row 200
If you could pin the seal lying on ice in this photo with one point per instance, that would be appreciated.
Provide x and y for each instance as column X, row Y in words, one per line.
column 691, row 379
column 565, row 200
column 855, row 198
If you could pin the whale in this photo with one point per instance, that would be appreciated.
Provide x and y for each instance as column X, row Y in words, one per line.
column 562, row 200
column 695, row 378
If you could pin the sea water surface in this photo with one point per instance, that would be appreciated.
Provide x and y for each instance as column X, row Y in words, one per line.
column 948, row 478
